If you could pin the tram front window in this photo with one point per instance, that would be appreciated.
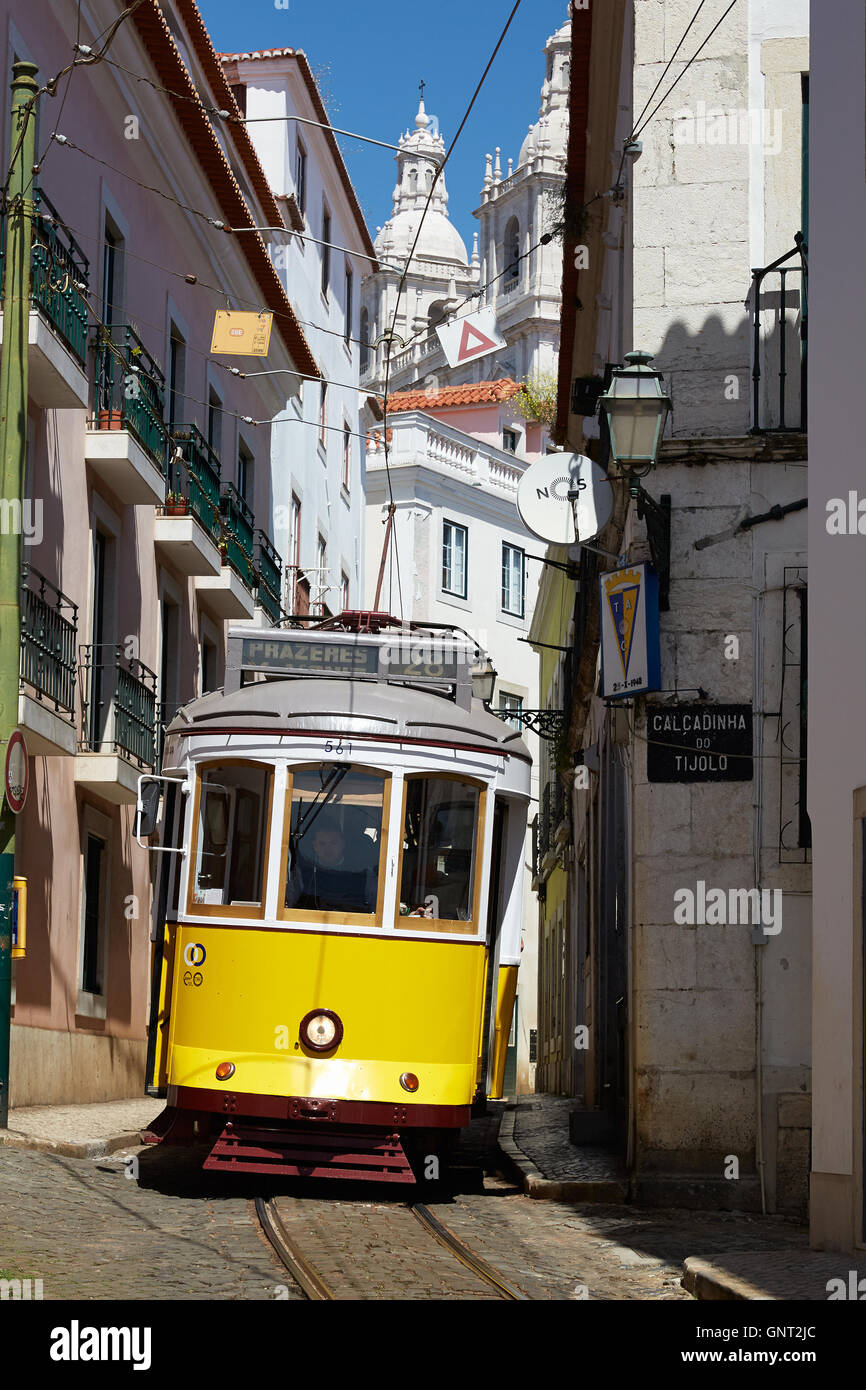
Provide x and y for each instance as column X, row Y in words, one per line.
column 231, row 837
column 439, row 847
column 334, row 851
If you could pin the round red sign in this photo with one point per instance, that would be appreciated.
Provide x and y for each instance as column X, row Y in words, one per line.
column 17, row 772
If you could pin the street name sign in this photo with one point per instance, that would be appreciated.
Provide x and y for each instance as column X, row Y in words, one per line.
column 699, row 743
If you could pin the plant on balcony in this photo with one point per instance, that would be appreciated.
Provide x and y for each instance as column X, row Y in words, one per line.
column 536, row 399
column 110, row 420
column 176, row 504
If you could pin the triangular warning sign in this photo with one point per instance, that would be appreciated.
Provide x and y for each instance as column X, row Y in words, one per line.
column 482, row 343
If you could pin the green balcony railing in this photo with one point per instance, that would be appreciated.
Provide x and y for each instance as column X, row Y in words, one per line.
column 130, row 390
column 49, row 627
column 238, row 525
column 58, row 266
column 119, row 704
column 194, row 478
column 269, row 569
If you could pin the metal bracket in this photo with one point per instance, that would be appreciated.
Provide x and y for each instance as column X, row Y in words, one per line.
column 547, row 723
column 658, row 526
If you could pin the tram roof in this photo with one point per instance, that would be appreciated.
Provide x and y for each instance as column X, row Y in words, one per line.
column 298, row 706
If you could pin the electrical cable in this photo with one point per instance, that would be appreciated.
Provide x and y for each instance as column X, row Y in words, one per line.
column 670, row 61
column 637, row 132
column 402, row 284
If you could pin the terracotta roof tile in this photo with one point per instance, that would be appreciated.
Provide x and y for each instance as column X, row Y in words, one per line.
column 447, row 397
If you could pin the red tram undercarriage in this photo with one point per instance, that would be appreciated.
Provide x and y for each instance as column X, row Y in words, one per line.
column 302, row 1136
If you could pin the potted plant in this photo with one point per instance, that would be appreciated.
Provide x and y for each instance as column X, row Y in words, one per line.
column 176, row 504
column 110, row 420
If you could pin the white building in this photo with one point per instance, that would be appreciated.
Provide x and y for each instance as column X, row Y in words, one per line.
column 517, row 275
column 318, row 498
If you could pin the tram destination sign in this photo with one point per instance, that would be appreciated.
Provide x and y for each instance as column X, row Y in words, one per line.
column 421, row 661
column 699, row 743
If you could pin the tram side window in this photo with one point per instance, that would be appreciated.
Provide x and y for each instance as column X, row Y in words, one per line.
column 232, row 834
column 440, row 833
column 334, row 853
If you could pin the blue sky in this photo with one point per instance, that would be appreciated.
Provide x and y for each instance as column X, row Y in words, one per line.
column 369, row 59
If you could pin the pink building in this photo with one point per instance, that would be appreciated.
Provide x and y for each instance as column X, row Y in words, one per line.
column 149, row 489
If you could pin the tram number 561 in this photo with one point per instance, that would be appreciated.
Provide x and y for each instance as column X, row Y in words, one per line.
column 338, row 747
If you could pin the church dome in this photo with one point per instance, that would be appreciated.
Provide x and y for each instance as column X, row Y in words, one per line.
column 421, row 153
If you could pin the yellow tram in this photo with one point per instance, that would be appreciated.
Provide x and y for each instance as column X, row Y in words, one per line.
column 337, row 918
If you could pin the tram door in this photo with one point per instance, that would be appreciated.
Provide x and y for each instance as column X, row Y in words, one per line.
column 494, row 920
column 509, row 1085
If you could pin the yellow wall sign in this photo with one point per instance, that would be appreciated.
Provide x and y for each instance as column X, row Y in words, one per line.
column 241, row 334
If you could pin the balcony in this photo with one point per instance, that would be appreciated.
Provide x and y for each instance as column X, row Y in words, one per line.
column 120, row 723
column 230, row 593
column 778, row 303
column 269, row 572
column 416, row 440
column 46, row 699
column 126, row 442
column 188, row 528
column 57, row 330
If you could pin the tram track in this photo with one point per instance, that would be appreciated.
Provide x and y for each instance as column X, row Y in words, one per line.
column 317, row 1285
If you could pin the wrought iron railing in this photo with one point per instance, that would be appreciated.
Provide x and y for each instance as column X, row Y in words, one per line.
column 779, row 343
column 58, row 266
column 544, row 826
column 130, row 390
column 119, row 703
column 193, row 478
column 49, row 629
column 269, row 571
column 238, row 525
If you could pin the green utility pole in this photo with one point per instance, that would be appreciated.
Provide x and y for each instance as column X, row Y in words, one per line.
column 13, row 452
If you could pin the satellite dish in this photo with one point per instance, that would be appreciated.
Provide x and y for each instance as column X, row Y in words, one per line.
column 542, row 499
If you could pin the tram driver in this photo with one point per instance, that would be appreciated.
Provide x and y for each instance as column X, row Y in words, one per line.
column 326, row 877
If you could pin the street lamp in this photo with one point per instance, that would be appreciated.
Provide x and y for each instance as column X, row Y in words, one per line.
column 636, row 409
column 484, row 683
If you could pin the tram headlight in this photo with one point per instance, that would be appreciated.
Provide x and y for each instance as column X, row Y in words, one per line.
column 321, row 1029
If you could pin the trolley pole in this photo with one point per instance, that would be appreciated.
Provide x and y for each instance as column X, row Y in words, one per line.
column 13, row 451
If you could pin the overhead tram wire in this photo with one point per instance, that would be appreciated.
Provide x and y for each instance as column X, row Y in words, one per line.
column 642, row 127
column 87, row 60
column 400, row 288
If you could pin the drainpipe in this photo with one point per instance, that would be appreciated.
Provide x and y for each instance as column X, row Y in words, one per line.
column 760, row 944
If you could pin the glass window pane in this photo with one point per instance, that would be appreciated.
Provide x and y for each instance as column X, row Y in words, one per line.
column 335, row 840
column 232, row 836
column 439, row 839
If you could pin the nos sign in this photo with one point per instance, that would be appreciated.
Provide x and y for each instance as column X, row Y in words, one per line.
column 699, row 743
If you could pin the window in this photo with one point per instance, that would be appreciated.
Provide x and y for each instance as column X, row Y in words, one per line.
column 344, row 592
column 436, row 314
column 214, row 421
column 321, row 573
column 112, row 251
column 513, row 579
column 231, row 840
column 511, row 253
column 511, row 705
column 323, row 412
column 169, row 675
column 454, row 556
column 326, row 251
column 510, row 441
column 176, row 374
column 347, row 456
column 292, row 574
column 350, row 283
column 301, row 178
column 245, row 473
column 365, row 341
column 91, row 953
column 438, row 878
column 207, row 679
column 333, row 860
